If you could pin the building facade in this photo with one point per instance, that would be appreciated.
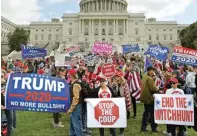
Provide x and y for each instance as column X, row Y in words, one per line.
column 104, row 20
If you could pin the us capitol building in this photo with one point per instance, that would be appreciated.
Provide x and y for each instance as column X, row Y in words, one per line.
column 98, row 20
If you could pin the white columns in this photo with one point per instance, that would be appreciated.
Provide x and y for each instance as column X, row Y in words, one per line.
column 79, row 26
column 109, row 8
column 127, row 26
column 99, row 27
column 97, row 5
column 114, row 27
column 83, row 26
column 117, row 26
column 107, row 27
column 105, row 4
column 93, row 26
column 101, row 5
column 123, row 26
column 90, row 25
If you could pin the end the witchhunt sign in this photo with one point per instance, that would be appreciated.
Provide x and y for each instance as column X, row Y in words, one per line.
column 33, row 92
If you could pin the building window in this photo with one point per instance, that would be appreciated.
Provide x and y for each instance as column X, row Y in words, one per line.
column 36, row 30
column 57, row 30
column 86, row 39
column 164, row 37
column 112, row 39
column 49, row 37
column 170, row 30
column 96, row 32
column 86, row 31
column 136, row 23
column 57, row 36
column 36, row 37
column 149, row 37
column 70, row 31
column 157, row 29
column 49, row 30
column 149, row 30
column 42, row 36
column 136, row 32
column 103, row 39
column 110, row 31
column 70, row 23
column 42, row 30
column 103, row 31
column 171, row 37
column 69, row 39
column 164, row 29
column 157, row 37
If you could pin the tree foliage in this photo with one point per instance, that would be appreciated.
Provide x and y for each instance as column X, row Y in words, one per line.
column 188, row 36
column 18, row 37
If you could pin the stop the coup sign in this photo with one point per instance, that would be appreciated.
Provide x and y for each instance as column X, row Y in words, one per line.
column 108, row 70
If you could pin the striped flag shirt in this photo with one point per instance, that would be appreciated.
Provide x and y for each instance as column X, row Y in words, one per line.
column 134, row 84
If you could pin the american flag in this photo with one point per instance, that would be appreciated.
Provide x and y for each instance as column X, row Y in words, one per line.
column 134, row 83
column 158, row 82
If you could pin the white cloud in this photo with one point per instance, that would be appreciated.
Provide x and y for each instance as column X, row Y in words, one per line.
column 160, row 9
column 57, row 1
column 20, row 11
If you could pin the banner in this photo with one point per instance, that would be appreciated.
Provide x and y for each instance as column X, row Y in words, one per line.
column 102, row 48
column 130, row 48
column 33, row 92
column 158, row 51
column 106, row 113
column 174, row 109
column 32, row 52
column 65, row 60
column 73, row 50
column 185, row 56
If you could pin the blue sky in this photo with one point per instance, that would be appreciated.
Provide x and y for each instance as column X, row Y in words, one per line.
column 182, row 11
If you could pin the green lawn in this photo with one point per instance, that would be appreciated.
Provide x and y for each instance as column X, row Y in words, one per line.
column 40, row 124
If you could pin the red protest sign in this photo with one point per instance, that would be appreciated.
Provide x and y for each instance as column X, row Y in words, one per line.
column 108, row 70
column 106, row 112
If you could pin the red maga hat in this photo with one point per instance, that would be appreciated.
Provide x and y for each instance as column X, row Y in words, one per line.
column 174, row 80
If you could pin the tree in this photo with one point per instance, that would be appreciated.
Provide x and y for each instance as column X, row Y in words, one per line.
column 18, row 37
column 188, row 36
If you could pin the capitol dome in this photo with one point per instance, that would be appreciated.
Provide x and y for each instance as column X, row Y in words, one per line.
column 103, row 6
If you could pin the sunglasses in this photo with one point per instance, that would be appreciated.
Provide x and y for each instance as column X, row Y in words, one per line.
column 102, row 80
column 173, row 83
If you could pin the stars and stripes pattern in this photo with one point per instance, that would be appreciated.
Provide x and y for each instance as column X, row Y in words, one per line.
column 134, row 83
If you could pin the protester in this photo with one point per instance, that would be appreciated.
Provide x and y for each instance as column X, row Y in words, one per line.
column 190, row 79
column 175, row 91
column 146, row 97
column 75, row 108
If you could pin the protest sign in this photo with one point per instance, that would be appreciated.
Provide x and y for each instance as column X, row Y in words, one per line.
column 33, row 92
column 101, row 48
column 73, row 50
column 108, row 70
column 32, row 52
column 158, row 51
column 91, row 60
column 65, row 60
column 185, row 56
column 174, row 109
column 130, row 48
column 106, row 113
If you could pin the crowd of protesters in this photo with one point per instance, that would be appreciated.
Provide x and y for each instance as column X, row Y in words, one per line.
column 87, row 82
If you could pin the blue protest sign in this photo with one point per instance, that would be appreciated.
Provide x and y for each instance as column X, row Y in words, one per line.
column 184, row 55
column 33, row 92
column 158, row 51
column 130, row 48
column 32, row 52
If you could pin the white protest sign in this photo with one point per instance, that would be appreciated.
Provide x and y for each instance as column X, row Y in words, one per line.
column 174, row 109
column 106, row 113
column 64, row 60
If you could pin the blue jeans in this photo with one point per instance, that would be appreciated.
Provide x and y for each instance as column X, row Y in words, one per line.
column 75, row 122
column 9, row 116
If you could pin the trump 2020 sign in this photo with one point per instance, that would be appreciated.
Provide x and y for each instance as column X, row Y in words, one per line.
column 33, row 92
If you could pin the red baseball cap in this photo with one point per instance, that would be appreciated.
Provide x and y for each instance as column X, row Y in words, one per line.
column 119, row 73
column 72, row 72
column 174, row 80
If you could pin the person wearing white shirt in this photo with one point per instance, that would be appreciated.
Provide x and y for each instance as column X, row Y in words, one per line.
column 174, row 91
